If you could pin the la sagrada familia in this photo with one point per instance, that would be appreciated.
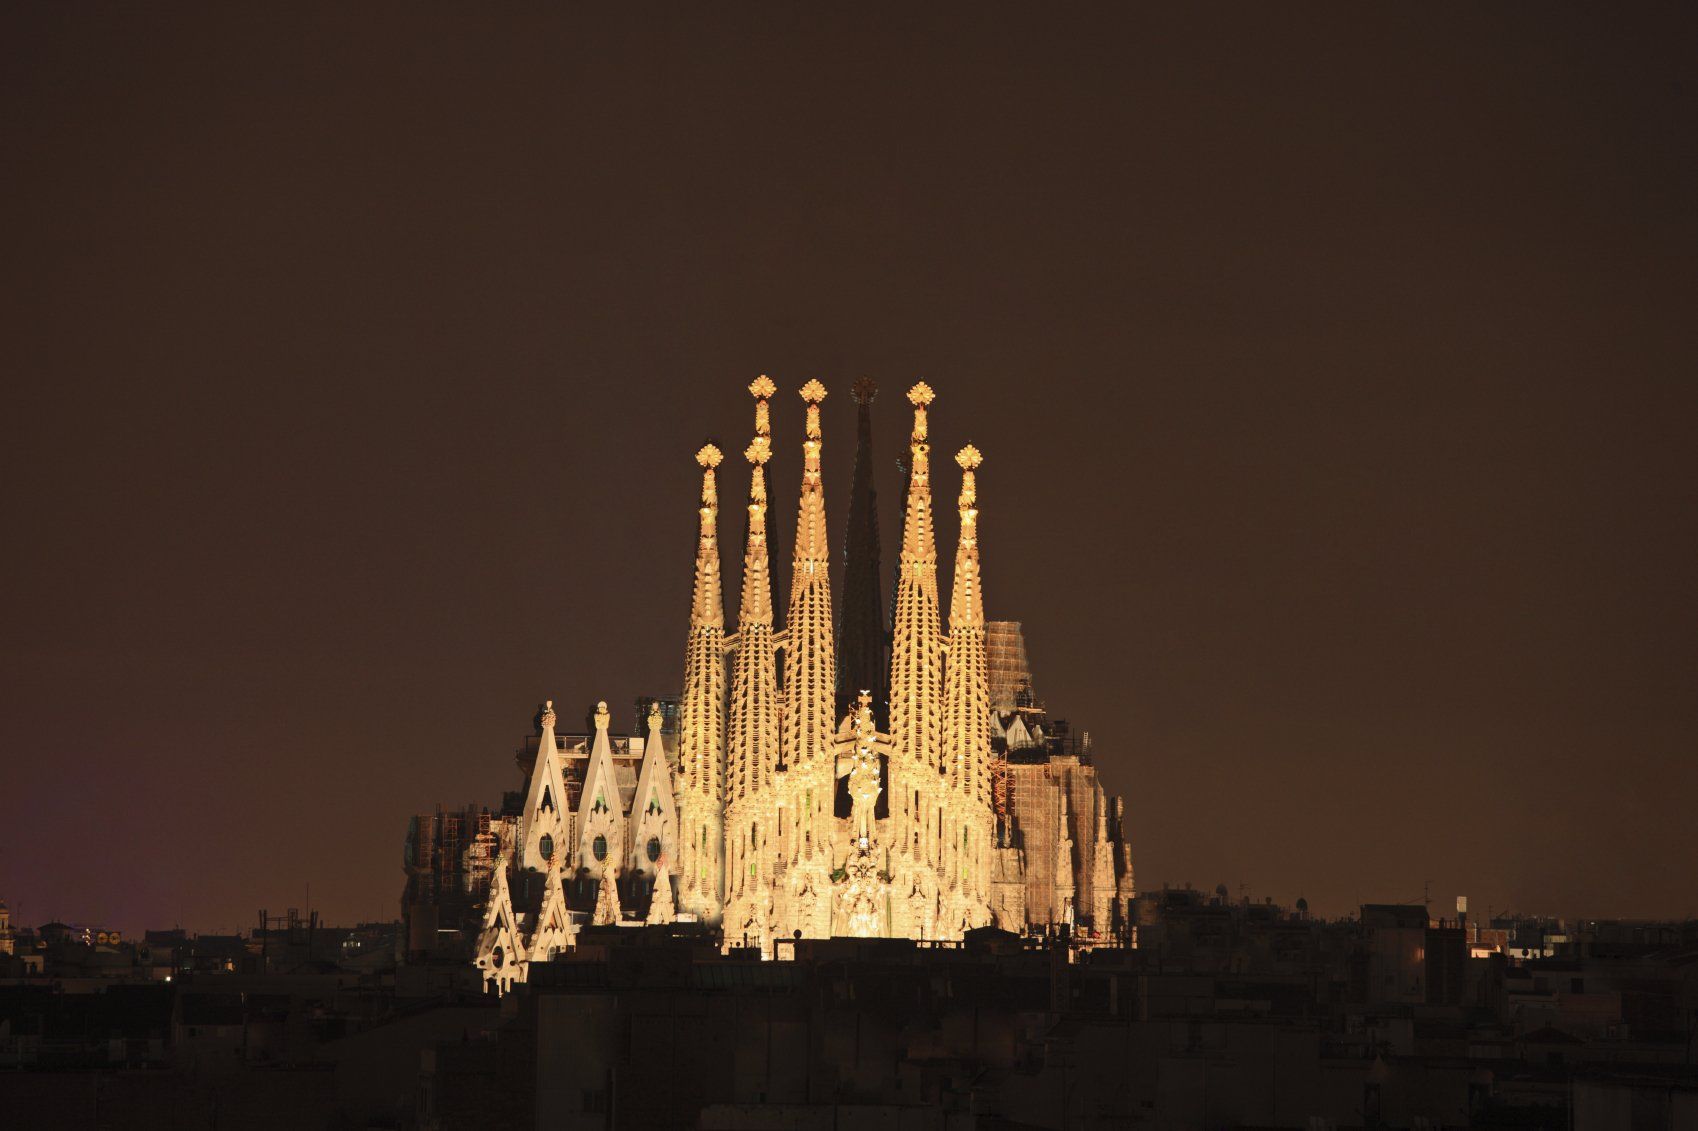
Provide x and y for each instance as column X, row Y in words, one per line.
column 841, row 775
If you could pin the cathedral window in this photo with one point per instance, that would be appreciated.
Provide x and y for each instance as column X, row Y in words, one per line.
column 599, row 848
column 545, row 847
column 546, row 805
column 654, row 849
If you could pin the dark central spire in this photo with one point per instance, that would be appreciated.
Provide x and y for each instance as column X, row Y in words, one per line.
column 863, row 657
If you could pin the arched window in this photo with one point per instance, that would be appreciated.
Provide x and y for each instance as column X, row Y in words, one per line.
column 654, row 849
column 546, row 847
column 599, row 848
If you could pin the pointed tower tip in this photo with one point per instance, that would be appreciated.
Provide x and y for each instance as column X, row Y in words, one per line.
column 921, row 395
column 864, row 390
column 762, row 387
column 709, row 456
column 813, row 393
column 969, row 458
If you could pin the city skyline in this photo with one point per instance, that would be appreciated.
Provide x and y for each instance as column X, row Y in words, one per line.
column 1335, row 426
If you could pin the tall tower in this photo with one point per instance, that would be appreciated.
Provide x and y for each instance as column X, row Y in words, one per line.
column 916, row 686
column 752, row 742
column 863, row 643
column 701, row 724
column 966, row 722
column 806, row 748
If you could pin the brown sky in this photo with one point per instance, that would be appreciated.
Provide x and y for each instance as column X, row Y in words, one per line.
column 1334, row 370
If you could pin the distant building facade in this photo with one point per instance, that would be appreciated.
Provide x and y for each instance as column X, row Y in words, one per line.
column 828, row 779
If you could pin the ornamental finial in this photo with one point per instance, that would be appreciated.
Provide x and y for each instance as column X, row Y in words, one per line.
column 654, row 718
column 601, row 715
column 759, row 450
column 864, row 390
column 709, row 458
column 969, row 459
column 548, row 716
column 920, row 396
column 761, row 388
column 813, row 393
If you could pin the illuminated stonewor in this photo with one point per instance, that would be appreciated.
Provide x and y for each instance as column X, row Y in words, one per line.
column 966, row 723
column 863, row 898
column 777, row 813
column 916, row 704
column 806, row 786
column 701, row 731
column 752, row 737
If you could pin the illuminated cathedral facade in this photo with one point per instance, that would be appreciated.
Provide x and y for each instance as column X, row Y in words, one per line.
column 841, row 775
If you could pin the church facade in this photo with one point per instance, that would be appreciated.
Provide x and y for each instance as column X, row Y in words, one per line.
column 841, row 774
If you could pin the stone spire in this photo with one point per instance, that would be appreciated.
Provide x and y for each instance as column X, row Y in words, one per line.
column 863, row 642
column 916, row 649
column 966, row 681
column 707, row 604
column 809, row 680
column 803, row 812
column 752, row 741
column 701, row 723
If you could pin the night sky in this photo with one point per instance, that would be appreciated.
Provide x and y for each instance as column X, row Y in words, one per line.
column 1333, row 370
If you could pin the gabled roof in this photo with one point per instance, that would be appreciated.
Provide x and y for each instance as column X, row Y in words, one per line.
column 548, row 783
column 601, row 776
column 655, row 782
